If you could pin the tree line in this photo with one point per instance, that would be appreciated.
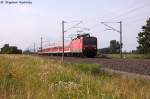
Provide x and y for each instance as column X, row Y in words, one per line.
column 6, row 49
column 114, row 48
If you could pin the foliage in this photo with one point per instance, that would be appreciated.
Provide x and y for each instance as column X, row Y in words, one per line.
column 29, row 77
column 10, row 50
column 144, row 39
column 104, row 51
column 113, row 48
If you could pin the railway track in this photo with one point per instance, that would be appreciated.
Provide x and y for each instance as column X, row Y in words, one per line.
column 134, row 66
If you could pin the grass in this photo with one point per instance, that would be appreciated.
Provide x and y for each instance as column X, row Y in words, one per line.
column 29, row 77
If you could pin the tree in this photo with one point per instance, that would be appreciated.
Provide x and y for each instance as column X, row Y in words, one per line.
column 144, row 39
column 5, row 49
column 10, row 50
column 114, row 47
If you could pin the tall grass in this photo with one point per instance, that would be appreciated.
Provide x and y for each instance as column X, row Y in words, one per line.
column 28, row 77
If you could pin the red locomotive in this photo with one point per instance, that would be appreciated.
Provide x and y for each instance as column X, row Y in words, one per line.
column 82, row 45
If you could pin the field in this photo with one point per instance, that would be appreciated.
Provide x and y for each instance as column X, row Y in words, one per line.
column 31, row 77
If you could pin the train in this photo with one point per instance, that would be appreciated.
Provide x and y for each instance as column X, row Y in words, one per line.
column 82, row 45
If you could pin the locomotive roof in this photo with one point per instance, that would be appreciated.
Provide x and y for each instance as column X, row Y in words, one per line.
column 81, row 35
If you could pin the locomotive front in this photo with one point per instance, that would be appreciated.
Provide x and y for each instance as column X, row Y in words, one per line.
column 89, row 46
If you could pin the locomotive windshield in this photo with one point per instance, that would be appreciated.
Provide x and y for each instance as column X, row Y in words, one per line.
column 90, row 41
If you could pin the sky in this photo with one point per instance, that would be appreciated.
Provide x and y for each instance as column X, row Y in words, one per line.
column 23, row 24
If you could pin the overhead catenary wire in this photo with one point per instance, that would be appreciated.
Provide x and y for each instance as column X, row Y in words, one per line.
column 120, row 10
column 121, row 15
column 131, row 7
column 137, row 20
column 130, row 11
column 73, row 26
